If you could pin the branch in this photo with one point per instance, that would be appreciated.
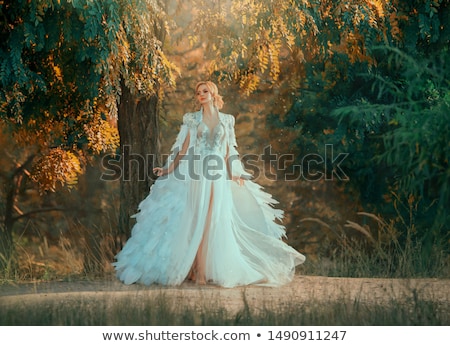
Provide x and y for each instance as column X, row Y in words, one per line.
column 37, row 211
column 22, row 167
column 19, row 167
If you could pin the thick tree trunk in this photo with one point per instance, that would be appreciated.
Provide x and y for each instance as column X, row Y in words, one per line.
column 13, row 184
column 139, row 144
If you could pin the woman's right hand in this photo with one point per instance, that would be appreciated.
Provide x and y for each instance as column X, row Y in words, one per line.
column 159, row 171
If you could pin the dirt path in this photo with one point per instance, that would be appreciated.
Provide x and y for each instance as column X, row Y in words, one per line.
column 303, row 289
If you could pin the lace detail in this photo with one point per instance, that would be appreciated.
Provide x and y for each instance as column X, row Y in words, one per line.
column 190, row 120
column 210, row 141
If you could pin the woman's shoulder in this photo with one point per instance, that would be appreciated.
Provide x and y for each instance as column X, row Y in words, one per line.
column 190, row 118
column 228, row 118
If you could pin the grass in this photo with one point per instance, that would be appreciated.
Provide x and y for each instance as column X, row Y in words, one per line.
column 366, row 246
column 357, row 250
column 372, row 249
column 126, row 311
column 365, row 249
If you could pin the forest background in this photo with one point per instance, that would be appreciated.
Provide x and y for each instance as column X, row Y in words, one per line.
column 355, row 91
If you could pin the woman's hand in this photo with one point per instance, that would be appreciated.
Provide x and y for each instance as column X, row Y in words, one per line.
column 238, row 180
column 159, row 171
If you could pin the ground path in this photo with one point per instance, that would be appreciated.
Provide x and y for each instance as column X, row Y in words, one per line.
column 303, row 289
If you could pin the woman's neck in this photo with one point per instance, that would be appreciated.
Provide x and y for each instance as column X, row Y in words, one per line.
column 209, row 110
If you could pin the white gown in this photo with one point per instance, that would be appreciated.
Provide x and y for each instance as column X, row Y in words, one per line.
column 243, row 243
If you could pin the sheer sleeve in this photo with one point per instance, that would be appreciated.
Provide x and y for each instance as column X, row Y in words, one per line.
column 236, row 166
column 186, row 127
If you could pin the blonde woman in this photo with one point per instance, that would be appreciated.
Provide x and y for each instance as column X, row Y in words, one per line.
column 204, row 219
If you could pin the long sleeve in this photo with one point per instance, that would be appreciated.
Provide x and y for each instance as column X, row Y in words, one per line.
column 186, row 127
column 236, row 166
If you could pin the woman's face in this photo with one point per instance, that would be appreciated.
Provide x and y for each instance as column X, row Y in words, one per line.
column 203, row 95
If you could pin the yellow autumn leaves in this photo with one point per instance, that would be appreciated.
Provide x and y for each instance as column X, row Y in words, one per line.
column 58, row 167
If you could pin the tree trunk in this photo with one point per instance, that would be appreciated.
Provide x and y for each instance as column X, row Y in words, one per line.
column 139, row 144
column 6, row 248
column 6, row 239
column 13, row 184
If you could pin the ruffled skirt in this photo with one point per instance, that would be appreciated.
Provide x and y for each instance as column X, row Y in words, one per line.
column 237, row 227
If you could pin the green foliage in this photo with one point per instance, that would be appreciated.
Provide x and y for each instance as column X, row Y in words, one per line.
column 388, row 108
column 61, row 68
column 402, row 130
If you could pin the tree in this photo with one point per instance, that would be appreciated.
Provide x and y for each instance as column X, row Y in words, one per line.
column 73, row 71
column 390, row 113
column 66, row 69
column 399, row 126
column 263, row 43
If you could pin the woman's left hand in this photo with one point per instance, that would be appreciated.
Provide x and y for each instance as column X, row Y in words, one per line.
column 238, row 180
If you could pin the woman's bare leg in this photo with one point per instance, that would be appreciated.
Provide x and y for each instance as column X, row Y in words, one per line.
column 197, row 272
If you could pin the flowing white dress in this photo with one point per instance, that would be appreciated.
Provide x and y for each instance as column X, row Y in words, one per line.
column 243, row 241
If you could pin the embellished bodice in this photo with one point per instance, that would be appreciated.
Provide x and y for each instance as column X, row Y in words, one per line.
column 210, row 141
column 205, row 140
column 217, row 145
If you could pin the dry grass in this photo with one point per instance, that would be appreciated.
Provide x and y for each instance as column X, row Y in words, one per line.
column 306, row 301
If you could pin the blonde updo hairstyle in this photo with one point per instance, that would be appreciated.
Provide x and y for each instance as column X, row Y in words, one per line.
column 212, row 88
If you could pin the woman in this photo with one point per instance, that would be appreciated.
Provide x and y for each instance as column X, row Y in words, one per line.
column 204, row 220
